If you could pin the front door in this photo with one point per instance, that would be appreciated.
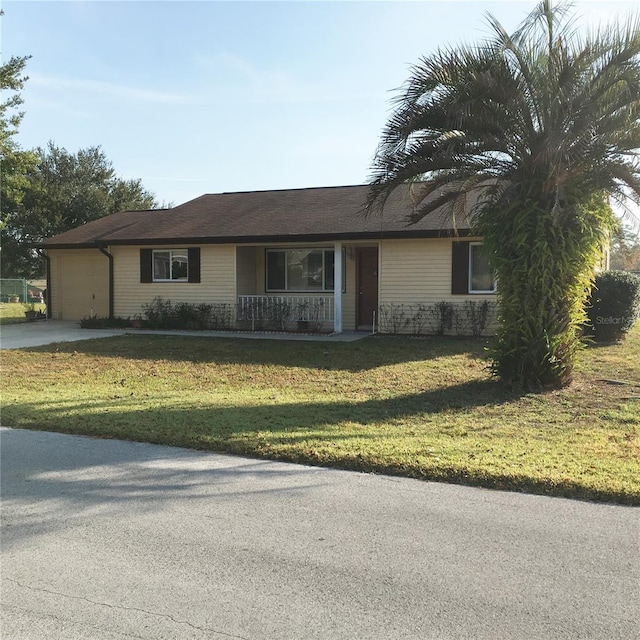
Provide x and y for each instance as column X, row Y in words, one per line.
column 367, row 285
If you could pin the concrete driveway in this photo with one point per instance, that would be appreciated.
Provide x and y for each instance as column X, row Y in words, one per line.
column 111, row 540
column 35, row 334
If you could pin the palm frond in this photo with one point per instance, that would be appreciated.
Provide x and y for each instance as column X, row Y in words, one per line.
column 542, row 105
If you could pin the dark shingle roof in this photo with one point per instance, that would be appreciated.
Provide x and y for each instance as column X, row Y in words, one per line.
column 315, row 214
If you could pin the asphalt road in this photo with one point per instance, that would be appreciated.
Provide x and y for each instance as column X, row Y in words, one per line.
column 114, row 540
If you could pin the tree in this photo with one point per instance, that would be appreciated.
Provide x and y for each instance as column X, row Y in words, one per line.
column 12, row 79
column 625, row 249
column 14, row 162
column 540, row 127
column 64, row 191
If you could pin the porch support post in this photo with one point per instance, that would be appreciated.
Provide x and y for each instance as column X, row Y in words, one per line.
column 337, row 287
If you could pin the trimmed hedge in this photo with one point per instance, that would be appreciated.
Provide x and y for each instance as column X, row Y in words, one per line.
column 613, row 306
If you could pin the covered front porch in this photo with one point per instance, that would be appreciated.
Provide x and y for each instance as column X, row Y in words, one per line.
column 290, row 287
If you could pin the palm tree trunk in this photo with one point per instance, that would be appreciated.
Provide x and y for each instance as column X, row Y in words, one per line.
column 545, row 266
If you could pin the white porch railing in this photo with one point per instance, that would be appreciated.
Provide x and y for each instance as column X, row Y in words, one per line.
column 310, row 308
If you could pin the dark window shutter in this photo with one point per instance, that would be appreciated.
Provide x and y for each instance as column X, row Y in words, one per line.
column 146, row 265
column 460, row 268
column 194, row 264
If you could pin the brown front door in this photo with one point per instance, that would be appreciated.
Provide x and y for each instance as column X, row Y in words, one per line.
column 367, row 284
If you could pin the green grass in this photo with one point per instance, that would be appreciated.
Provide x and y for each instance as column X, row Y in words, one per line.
column 424, row 408
column 12, row 312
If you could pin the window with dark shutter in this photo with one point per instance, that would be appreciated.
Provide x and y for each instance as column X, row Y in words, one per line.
column 460, row 267
column 170, row 265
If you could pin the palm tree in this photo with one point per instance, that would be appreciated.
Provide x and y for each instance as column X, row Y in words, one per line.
column 540, row 127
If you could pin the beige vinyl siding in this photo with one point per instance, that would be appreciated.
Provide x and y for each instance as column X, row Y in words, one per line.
column 79, row 284
column 419, row 272
column 217, row 279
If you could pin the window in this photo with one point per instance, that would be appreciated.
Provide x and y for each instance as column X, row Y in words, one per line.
column 170, row 265
column 481, row 279
column 470, row 269
column 300, row 269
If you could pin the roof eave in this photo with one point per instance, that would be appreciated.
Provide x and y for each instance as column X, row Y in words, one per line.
column 262, row 239
column 70, row 245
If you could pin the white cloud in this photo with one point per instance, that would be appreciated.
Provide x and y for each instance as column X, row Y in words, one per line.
column 122, row 92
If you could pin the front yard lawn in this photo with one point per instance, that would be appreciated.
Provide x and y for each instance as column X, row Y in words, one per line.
column 12, row 312
column 424, row 408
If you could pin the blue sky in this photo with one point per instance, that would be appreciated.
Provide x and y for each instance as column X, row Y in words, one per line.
column 204, row 97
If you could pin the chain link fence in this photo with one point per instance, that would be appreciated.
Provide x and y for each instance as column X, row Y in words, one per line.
column 13, row 290
column 19, row 290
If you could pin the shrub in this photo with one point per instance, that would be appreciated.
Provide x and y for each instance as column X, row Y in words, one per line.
column 613, row 306
column 159, row 314
column 191, row 316
column 281, row 314
column 471, row 318
column 163, row 314
column 393, row 318
column 310, row 315
column 419, row 319
column 478, row 315
column 442, row 314
column 221, row 316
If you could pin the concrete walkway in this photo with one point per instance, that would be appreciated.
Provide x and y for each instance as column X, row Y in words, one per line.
column 35, row 334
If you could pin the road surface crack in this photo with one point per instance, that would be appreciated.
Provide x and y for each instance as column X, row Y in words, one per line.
column 125, row 608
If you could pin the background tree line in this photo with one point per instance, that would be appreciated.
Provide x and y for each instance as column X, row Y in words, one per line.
column 625, row 249
column 48, row 190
